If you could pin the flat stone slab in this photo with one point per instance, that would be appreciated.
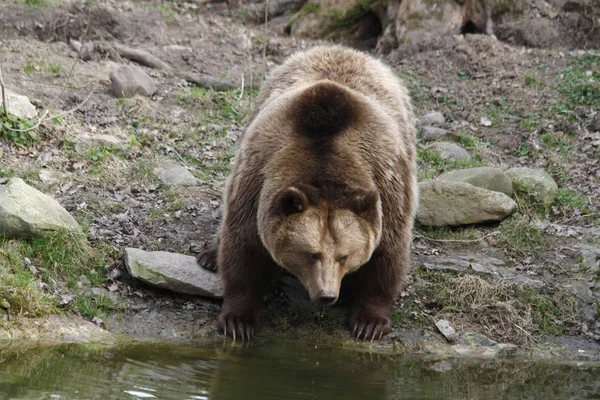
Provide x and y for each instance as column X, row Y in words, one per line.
column 484, row 177
column 177, row 272
column 447, row 203
column 25, row 211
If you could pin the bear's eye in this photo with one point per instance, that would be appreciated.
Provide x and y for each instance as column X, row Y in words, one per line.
column 314, row 257
column 342, row 260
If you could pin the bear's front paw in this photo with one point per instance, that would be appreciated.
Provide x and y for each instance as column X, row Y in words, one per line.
column 238, row 325
column 207, row 260
column 370, row 325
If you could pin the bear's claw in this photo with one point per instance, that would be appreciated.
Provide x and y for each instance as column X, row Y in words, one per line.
column 207, row 260
column 371, row 328
column 237, row 328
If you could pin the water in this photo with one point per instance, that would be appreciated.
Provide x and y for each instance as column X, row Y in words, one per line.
column 277, row 370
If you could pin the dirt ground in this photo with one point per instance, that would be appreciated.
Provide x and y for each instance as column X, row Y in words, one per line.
column 543, row 108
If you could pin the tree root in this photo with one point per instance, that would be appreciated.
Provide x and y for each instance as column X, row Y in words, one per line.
column 147, row 59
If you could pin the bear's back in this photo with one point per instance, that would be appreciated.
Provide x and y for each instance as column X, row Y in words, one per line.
column 345, row 66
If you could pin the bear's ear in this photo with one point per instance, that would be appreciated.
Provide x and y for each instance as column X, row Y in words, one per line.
column 365, row 201
column 290, row 200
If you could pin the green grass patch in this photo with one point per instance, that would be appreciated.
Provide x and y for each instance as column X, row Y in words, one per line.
column 520, row 236
column 309, row 8
column 12, row 127
column 66, row 256
column 579, row 84
column 34, row 65
column 99, row 306
column 167, row 9
column 557, row 141
column 568, row 200
column 431, row 164
column 20, row 292
column 551, row 313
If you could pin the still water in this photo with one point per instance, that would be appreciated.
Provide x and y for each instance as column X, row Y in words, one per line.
column 277, row 370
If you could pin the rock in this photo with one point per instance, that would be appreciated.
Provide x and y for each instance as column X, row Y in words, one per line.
column 47, row 177
column 19, row 105
column 176, row 176
column 446, row 203
column 485, row 121
column 535, row 183
column 434, row 118
column 431, row 134
column 446, row 330
column 87, row 50
column 468, row 263
column 85, row 141
column 75, row 45
column 128, row 81
column 451, row 151
column 25, row 211
column 484, row 177
column 242, row 42
column 176, row 272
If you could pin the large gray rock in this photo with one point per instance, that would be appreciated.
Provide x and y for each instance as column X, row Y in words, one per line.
column 446, row 203
column 128, row 81
column 484, row 177
column 431, row 134
column 176, row 272
column 434, row 118
column 25, row 211
column 85, row 141
column 176, row 175
column 20, row 106
column 451, row 151
column 535, row 183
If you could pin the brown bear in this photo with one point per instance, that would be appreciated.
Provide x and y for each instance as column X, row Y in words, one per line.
column 324, row 185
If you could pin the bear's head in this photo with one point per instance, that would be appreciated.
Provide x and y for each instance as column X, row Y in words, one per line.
column 319, row 241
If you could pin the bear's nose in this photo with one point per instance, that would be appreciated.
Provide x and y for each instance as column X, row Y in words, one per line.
column 326, row 298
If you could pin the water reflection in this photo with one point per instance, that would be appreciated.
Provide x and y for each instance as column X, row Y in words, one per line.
column 282, row 370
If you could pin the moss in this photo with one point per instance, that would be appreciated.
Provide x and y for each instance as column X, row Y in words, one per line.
column 352, row 15
column 309, row 8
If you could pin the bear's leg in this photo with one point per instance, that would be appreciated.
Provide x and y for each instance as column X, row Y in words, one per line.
column 246, row 272
column 374, row 288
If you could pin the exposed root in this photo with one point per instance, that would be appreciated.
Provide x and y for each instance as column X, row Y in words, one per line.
column 147, row 59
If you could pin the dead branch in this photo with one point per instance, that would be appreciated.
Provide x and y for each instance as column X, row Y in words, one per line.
column 142, row 57
column 147, row 59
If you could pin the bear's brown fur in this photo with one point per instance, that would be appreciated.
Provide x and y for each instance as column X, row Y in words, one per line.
column 324, row 185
